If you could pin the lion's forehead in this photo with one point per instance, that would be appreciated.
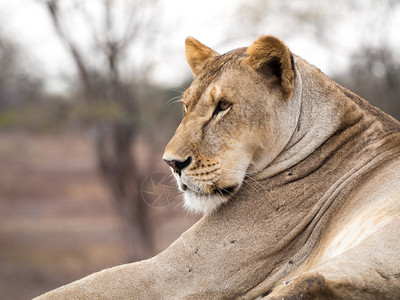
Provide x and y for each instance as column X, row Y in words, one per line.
column 214, row 68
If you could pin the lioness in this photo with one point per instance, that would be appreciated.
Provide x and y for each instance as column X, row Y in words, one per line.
column 299, row 179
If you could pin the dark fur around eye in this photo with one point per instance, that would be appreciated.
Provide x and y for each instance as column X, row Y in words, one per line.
column 221, row 106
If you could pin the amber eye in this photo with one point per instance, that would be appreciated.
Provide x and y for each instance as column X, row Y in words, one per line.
column 221, row 106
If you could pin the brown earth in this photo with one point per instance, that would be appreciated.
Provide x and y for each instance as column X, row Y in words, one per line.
column 57, row 220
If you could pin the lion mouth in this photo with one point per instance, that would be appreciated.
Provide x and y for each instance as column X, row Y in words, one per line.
column 226, row 191
column 221, row 191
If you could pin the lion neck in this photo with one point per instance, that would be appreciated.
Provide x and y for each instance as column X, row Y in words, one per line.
column 321, row 115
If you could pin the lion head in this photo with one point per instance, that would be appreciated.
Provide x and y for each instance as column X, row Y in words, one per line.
column 239, row 114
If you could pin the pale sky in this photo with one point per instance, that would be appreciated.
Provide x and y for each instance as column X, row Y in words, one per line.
column 27, row 22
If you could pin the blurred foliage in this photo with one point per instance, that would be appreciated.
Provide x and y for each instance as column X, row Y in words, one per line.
column 25, row 104
column 375, row 75
column 287, row 18
column 158, row 117
column 17, row 85
column 35, row 118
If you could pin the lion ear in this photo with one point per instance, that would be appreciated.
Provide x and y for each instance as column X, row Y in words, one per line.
column 271, row 57
column 197, row 54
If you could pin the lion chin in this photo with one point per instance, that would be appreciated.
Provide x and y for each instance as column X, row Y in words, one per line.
column 200, row 201
column 201, row 204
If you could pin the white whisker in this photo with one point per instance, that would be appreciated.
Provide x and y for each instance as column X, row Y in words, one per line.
column 174, row 100
column 247, row 179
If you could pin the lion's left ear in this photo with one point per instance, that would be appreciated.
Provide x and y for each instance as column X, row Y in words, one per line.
column 270, row 56
column 197, row 54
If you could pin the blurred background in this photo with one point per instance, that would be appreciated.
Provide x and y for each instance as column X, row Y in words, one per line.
column 87, row 92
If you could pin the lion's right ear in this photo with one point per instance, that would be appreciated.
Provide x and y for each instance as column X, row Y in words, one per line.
column 197, row 54
column 271, row 57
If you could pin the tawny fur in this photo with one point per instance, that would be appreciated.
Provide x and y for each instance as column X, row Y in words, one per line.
column 313, row 209
column 267, row 49
column 197, row 54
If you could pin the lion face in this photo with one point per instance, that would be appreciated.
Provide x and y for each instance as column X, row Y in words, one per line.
column 234, row 124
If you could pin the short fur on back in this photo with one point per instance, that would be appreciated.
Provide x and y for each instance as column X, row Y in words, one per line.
column 299, row 179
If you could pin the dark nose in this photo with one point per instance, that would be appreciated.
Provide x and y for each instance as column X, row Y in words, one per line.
column 177, row 165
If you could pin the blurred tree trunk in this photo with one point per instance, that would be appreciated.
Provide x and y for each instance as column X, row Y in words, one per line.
column 114, row 136
column 113, row 148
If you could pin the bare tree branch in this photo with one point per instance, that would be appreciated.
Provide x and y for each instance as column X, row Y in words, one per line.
column 52, row 6
column 115, row 136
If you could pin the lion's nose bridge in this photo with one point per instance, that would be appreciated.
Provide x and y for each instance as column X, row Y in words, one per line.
column 178, row 148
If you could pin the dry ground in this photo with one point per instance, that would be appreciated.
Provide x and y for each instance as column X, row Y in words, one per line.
column 57, row 221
